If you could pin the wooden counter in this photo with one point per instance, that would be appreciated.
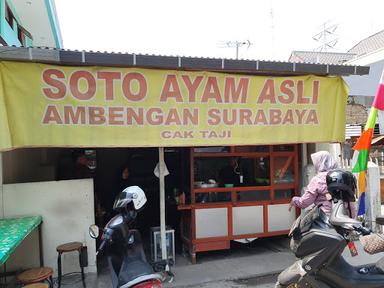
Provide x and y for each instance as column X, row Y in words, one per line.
column 217, row 215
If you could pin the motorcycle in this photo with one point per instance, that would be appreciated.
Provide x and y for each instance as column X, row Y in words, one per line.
column 123, row 246
column 318, row 242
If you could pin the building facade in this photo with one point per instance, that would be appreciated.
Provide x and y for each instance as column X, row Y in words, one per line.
column 29, row 23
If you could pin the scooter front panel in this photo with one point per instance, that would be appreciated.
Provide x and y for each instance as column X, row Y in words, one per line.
column 340, row 274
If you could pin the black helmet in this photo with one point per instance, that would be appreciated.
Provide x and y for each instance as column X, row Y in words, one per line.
column 341, row 185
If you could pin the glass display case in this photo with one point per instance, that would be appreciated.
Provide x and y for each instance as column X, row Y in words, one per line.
column 238, row 188
column 231, row 171
column 219, row 172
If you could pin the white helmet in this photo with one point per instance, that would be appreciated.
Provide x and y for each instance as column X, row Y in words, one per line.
column 130, row 194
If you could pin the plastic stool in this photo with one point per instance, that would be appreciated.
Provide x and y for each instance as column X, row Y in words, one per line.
column 69, row 247
column 35, row 275
column 37, row 285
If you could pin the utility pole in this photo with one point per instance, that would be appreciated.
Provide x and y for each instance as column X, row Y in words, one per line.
column 235, row 44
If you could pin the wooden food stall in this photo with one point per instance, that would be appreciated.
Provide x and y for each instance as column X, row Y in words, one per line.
column 262, row 181
column 249, row 108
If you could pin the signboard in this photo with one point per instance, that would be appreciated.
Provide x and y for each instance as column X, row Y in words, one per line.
column 61, row 106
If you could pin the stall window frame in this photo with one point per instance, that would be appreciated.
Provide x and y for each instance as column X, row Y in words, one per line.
column 222, row 242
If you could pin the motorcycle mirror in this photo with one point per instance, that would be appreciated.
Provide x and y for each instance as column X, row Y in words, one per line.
column 94, row 231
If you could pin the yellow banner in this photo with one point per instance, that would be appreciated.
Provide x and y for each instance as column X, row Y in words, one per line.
column 45, row 105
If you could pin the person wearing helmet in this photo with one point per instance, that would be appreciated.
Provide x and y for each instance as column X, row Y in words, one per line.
column 342, row 185
column 316, row 191
column 132, row 197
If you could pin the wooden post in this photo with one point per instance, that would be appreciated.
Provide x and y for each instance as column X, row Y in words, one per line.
column 162, row 205
column 304, row 164
column 304, row 153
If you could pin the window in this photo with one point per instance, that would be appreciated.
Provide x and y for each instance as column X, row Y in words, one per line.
column 9, row 15
column 231, row 172
column 244, row 173
column 284, row 169
column 20, row 36
column 254, row 195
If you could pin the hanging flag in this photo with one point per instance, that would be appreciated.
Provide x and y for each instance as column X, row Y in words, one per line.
column 362, row 185
column 363, row 144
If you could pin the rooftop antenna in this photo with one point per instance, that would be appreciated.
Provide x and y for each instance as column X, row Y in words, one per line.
column 235, row 44
column 327, row 37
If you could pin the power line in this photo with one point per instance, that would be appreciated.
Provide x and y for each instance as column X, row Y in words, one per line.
column 327, row 37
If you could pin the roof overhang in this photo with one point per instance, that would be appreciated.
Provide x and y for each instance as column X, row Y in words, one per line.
column 258, row 67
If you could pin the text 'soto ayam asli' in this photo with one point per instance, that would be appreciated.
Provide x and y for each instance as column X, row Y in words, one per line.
column 114, row 98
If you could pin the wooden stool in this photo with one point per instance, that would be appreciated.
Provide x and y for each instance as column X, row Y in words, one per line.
column 37, row 285
column 36, row 275
column 69, row 247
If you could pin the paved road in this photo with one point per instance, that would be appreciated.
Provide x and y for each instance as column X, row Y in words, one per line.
column 261, row 282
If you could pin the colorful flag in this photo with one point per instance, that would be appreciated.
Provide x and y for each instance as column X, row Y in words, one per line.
column 363, row 144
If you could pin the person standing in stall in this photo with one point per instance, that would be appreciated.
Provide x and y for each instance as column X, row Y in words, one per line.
column 125, row 179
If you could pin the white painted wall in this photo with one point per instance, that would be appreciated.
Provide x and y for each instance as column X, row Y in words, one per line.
column 367, row 59
column 333, row 148
column 373, row 197
column 35, row 18
column 365, row 85
column 279, row 218
column 322, row 146
column 67, row 208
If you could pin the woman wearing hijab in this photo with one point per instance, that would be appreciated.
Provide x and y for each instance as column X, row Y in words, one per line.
column 316, row 192
column 125, row 178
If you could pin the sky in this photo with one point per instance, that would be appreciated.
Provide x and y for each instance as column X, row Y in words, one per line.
column 204, row 28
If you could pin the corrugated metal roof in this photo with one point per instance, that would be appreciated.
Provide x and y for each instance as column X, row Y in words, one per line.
column 377, row 139
column 352, row 131
column 370, row 44
column 320, row 57
column 90, row 58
